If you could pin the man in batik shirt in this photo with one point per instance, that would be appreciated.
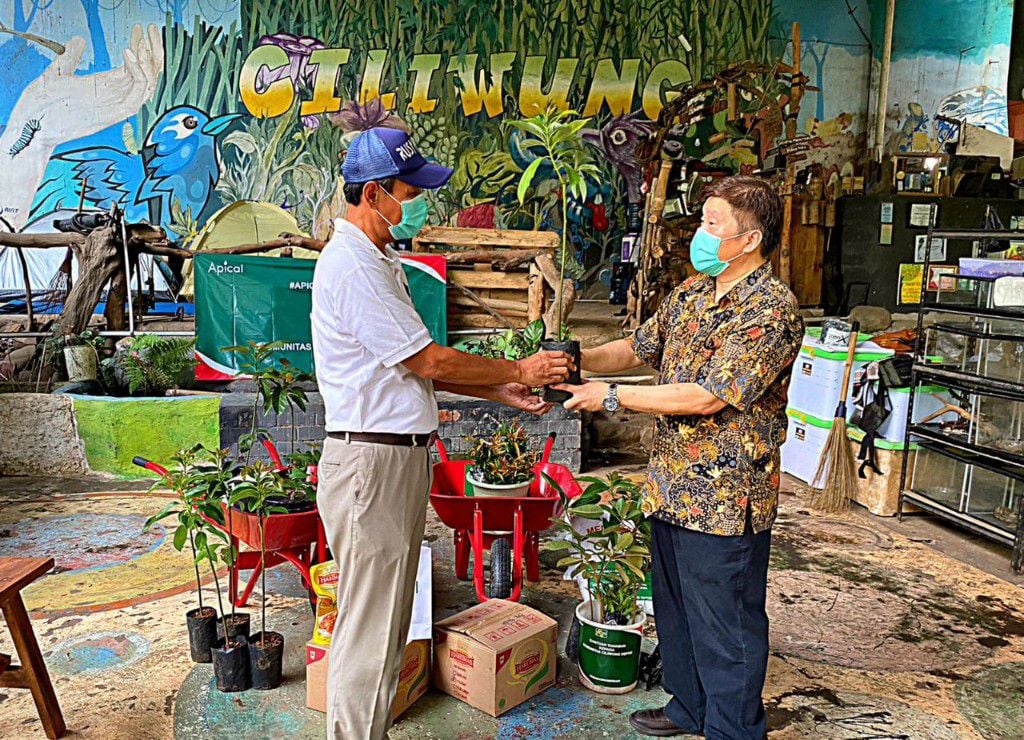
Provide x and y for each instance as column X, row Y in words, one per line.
column 723, row 342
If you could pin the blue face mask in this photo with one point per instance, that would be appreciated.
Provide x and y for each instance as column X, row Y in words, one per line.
column 414, row 216
column 704, row 252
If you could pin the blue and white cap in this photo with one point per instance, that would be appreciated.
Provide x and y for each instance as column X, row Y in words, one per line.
column 380, row 152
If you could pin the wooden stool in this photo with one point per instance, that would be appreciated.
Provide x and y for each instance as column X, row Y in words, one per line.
column 15, row 574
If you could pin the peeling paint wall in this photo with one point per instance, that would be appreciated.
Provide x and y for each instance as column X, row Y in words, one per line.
column 38, row 436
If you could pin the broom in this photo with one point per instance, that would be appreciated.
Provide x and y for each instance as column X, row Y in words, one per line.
column 837, row 466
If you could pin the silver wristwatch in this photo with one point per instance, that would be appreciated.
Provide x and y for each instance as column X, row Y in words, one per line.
column 611, row 401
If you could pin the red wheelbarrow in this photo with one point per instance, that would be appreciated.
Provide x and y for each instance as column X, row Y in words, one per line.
column 297, row 538
column 487, row 522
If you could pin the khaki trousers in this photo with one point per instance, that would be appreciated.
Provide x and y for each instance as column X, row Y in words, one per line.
column 373, row 502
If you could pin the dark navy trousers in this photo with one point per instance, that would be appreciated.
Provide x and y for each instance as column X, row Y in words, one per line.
column 709, row 606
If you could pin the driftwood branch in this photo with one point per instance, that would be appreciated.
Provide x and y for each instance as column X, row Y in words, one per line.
column 502, row 260
column 40, row 241
column 482, row 303
column 284, row 240
column 45, row 43
column 546, row 265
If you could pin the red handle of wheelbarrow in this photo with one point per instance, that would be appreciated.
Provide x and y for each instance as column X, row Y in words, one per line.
column 548, row 446
column 150, row 466
column 442, row 451
column 271, row 449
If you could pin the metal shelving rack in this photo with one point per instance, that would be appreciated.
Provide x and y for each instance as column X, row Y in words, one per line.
column 972, row 453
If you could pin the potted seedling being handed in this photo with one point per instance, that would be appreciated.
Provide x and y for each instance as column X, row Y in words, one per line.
column 556, row 134
column 502, row 463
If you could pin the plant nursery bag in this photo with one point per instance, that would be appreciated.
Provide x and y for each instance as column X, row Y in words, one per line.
column 495, row 655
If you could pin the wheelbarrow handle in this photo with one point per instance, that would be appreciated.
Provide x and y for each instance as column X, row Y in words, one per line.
column 150, row 466
column 442, row 451
column 548, row 446
column 271, row 448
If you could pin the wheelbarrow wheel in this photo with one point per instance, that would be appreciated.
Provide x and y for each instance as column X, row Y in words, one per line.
column 500, row 586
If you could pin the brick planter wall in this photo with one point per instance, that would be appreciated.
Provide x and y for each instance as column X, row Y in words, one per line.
column 459, row 417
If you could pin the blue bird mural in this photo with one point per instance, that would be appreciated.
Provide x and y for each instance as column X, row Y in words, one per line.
column 179, row 163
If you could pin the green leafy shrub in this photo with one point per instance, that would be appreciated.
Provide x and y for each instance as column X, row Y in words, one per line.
column 514, row 344
column 505, row 457
column 612, row 556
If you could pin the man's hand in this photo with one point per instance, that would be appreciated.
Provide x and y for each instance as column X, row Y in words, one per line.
column 522, row 397
column 544, row 368
column 587, row 397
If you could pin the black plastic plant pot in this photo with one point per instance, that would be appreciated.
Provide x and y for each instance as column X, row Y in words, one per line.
column 231, row 665
column 202, row 633
column 293, row 507
column 238, row 625
column 571, row 348
column 265, row 658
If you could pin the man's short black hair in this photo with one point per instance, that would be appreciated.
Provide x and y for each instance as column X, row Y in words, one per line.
column 353, row 191
column 755, row 205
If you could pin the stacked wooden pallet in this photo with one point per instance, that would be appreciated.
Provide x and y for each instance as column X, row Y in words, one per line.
column 498, row 278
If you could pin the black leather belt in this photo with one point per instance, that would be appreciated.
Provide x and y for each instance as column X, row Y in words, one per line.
column 383, row 438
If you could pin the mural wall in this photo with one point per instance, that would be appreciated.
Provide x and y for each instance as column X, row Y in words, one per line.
column 174, row 109
column 950, row 58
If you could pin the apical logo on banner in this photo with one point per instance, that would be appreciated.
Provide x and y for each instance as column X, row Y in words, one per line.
column 268, row 299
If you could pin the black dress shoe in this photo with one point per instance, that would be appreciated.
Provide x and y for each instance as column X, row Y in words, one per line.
column 655, row 723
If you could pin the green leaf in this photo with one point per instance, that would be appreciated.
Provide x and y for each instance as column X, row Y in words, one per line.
column 180, row 535
column 556, row 545
column 527, row 179
column 588, row 511
column 167, row 511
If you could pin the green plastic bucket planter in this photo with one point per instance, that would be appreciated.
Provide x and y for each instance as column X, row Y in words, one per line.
column 609, row 654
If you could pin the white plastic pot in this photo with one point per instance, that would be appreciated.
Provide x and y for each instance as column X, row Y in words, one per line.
column 81, row 363
column 479, row 488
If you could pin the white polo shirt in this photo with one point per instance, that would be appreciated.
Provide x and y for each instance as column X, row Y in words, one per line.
column 364, row 325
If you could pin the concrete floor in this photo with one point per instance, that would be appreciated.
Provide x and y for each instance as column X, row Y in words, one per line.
column 879, row 629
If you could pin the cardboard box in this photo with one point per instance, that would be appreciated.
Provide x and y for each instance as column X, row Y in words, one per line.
column 414, row 674
column 496, row 655
column 413, row 680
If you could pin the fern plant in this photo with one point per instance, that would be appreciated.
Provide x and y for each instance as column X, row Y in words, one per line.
column 154, row 364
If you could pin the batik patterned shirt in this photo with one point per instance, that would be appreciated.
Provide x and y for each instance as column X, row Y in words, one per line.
column 706, row 470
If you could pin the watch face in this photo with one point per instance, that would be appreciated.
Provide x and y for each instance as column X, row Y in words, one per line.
column 611, row 404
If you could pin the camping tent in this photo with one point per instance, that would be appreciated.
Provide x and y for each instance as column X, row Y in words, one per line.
column 244, row 222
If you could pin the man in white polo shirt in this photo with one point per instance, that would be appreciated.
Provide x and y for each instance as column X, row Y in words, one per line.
column 377, row 369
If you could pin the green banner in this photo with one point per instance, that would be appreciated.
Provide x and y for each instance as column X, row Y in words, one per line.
column 268, row 299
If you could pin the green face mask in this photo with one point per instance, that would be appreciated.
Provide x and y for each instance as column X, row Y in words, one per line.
column 414, row 215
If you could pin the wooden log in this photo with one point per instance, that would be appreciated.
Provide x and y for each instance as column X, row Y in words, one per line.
column 451, row 236
column 488, row 279
column 288, row 240
column 473, row 297
column 117, row 294
column 100, row 258
column 40, row 241
column 546, row 265
column 535, row 294
column 499, row 305
column 498, row 260
column 484, row 321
